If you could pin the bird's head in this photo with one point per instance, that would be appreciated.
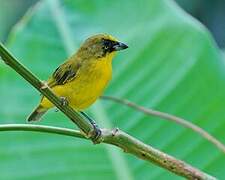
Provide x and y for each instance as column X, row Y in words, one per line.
column 101, row 45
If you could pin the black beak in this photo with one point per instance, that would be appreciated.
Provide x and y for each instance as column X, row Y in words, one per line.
column 119, row 46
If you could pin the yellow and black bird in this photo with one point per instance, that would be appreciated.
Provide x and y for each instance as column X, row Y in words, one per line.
column 82, row 78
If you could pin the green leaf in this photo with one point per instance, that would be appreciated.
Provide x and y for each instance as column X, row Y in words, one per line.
column 172, row 64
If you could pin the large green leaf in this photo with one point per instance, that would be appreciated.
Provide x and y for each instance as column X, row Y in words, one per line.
column 172, row 65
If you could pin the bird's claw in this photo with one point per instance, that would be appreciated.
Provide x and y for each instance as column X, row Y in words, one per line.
column 97, row 134
column 64, row 101
column 44, row 85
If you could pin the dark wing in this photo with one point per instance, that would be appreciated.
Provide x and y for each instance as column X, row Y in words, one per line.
column 64, row 73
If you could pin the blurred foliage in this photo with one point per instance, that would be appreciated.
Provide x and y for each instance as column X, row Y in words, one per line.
column 211, row 13
column 10, row 12
column 172, row 65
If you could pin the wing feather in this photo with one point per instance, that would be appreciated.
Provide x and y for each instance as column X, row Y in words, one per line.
column 64, row 73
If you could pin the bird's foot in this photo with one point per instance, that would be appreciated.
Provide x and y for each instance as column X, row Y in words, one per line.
column 64, row 101
column 96, row 134
column 44, row 85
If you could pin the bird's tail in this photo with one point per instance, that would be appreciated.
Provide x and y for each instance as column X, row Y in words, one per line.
column 37, row 113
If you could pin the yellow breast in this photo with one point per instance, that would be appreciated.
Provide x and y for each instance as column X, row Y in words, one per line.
column 87, row 86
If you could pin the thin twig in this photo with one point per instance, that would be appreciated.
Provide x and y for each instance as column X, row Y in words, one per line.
column 169, row 117
column 126, row 142
column 42, row 128
column 115, row 137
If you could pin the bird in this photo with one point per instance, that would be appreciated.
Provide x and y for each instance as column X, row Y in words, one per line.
column 83, row 77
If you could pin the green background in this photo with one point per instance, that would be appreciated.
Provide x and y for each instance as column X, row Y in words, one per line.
column 172, row 65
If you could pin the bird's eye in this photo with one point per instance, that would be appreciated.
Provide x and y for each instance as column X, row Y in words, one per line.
column 107, row 44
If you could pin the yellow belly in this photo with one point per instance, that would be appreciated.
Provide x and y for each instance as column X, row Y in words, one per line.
column 86, row 87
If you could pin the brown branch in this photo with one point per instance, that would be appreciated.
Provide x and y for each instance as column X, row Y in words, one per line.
column 126, row 142
column 169, row 117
